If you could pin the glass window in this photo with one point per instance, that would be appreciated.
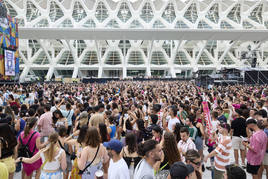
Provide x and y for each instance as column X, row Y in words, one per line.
column 256, row 14
column 135, row 58
column 226, row 25
column 55, row 12
column 90, row 58
column 41, row 59
column 234, row 14
column 136, row 25
column 66, row 58
column 147, row 12
column 89, row 24
column 203, row 25
column 112, row 24
column 66, row 23
column 247, row 25
column 158, row 25
column 181, row 25
column 79, row 12
column 158, row 58
column 191, row 13
column 42, row 23
column 65, row 73
column 181, row 59
column 32, row 12
column 124, row 13
column 204, row 59
column 213, row 13
column 10, row 10
column 113, row 58
column 101, row 12
column 169, row 13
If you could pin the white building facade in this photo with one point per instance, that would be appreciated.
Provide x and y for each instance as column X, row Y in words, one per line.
column 49, row 58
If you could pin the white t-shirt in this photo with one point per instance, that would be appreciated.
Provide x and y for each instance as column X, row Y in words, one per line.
column 118, row 170
column 214, row 124
column 143, row 171
column 172, row 123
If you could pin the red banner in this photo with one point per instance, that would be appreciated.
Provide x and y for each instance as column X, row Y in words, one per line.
column 207, row 118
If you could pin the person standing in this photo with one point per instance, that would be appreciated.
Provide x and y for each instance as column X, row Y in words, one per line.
column 185, row 143
column 117, row 167
column 45, row 124
column 53, row 159
column 152, row 152
column 171, row 120
column 68, row 114
column 32, row 138
column 222, row 151
column 238, row 128
column 256, row 148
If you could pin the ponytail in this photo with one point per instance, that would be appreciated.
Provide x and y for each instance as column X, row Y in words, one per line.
column 53, row 139
column 29, row 125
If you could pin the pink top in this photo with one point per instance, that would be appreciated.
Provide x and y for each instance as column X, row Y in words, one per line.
column 258, row 144
column 45, row 123
column 29, row 168
column 236, row 106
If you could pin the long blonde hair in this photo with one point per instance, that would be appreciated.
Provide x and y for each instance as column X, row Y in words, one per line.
column 53, row 139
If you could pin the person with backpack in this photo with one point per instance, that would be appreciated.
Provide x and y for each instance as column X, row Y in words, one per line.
column 53, row 159
column 28, row 145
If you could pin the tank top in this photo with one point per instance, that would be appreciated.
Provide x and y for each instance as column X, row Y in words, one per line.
column 54, row 164
column 112, row 134
column 130, row 160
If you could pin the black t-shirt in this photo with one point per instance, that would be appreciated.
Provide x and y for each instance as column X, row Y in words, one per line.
column 239, row 127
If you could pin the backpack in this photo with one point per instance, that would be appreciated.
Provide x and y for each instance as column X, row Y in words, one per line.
column 24, row 150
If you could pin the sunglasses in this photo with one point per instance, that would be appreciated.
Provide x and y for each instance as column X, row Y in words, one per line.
column 196, row 163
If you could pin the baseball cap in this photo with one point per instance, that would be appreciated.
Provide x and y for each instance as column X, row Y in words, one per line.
column 114, row 144
column 180, row 171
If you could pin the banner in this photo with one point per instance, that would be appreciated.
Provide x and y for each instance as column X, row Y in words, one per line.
column 9, row 63
column 207, row 118
column 2, row 64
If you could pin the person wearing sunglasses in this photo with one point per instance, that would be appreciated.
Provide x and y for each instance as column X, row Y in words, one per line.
column 222, row 151
column 193, row 158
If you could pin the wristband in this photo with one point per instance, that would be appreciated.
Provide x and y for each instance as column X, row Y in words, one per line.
column 21, row 159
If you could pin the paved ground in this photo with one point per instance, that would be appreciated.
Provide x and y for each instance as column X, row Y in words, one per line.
column 206, row 174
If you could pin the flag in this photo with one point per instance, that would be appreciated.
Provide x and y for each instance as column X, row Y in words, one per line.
column 207, row 118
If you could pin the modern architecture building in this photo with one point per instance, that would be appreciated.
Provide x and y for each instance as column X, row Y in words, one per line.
column 123, row 57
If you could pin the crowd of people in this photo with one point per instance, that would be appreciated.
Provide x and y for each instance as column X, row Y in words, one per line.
column 133, row 130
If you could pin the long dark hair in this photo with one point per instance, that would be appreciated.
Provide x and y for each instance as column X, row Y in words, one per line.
column 131, row 142
column 30, row 123
column 103, row 132
column 54, row 118
column 82, row 134
column 170, row 148
column 176, row 132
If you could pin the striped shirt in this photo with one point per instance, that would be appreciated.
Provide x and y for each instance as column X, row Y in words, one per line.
column 185, row 146
column 223, row 153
